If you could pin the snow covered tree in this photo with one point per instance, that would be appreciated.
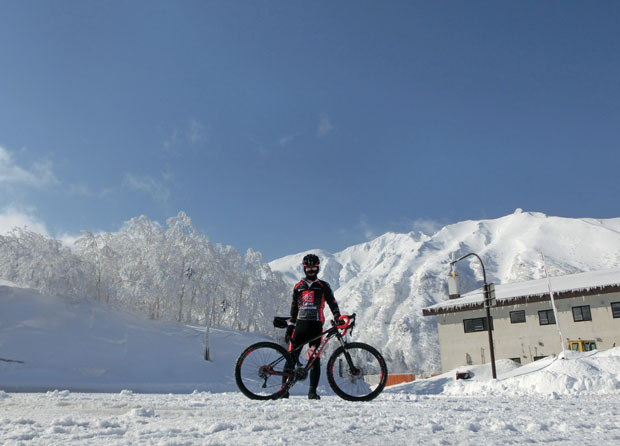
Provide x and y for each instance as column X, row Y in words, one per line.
column 31, row 259
column 171, row 273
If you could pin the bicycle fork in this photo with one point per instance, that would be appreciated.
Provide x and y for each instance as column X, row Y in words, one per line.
column 354, row 370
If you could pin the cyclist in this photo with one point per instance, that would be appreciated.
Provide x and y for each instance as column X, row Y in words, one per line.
column 306, row 321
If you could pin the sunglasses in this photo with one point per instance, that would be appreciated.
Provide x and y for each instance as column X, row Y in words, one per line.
column 311, row 269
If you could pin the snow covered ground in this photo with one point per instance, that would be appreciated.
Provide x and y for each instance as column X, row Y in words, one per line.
column 400, row 418
column 109, row 378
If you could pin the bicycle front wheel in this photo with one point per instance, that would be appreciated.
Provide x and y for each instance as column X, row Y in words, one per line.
column 364, row 380
column 259, row 371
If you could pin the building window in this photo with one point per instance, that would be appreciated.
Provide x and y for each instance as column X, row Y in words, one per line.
column 517, row 360
column 615, row 309
column 477, row 324
column 517, row 317
column 582, row 313
column 546, row 317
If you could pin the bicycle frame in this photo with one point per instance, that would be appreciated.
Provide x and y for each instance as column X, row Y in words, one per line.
column 330, row 333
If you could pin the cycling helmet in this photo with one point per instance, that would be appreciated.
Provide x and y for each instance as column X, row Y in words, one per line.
column 311, row 266
column 311, row 260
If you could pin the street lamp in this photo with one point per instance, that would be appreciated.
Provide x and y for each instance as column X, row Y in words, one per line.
column 487, row 302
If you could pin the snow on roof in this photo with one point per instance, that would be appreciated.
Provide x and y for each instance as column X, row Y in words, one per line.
column 579, row 282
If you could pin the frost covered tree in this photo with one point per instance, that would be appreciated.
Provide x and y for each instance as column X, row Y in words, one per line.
column 31, row 259
column 165, row 272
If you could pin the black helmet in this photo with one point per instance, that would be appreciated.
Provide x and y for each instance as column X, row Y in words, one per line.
column 311, row 266
column 311, row 260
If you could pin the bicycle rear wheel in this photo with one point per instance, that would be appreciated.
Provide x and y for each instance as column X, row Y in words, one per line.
column 365, row 380
column 256, row 371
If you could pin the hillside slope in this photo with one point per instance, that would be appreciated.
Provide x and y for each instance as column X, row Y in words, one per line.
column 49, row 343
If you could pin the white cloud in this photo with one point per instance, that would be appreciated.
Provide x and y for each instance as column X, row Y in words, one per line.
column 41, row 173
column 365, row 227
column 11, row 217
column 196, row 132
column 80, row 190
column 171, row 142
column 158, row 190
column 286, row 140
column 325, row 125
column 426, row 226
column 68, row 240
column 167, row 176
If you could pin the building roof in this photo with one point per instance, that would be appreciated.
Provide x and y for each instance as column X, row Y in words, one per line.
column 571, row 285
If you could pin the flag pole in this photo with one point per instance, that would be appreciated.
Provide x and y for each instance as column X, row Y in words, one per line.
column 555, row 310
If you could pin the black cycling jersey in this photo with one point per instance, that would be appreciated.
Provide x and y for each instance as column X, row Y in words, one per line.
column 309, row 301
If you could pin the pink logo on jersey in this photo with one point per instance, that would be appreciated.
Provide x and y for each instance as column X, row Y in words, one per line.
column 307, row 297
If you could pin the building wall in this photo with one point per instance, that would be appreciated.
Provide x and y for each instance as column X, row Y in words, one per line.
column 526, row 340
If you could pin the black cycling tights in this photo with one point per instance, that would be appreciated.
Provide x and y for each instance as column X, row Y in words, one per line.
column 304, row 331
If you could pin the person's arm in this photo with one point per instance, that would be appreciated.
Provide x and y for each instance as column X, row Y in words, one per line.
column 294, row 308
column 293, row 319
column 331, row 301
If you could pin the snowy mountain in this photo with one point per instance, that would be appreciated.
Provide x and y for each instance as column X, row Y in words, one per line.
column 387, row 281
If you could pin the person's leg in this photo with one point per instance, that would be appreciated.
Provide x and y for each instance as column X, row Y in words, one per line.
column 292, row 345
column 300, row 337
column 315, row 371
column 315, row 376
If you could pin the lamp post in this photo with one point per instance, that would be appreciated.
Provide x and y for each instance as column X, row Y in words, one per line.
column 487, row 306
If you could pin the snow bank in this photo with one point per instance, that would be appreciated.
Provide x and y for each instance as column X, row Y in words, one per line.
column 590, row 373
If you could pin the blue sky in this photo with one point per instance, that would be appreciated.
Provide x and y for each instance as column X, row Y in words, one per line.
column 286, row 125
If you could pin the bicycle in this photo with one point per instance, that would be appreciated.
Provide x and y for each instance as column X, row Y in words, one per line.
column 355, row 371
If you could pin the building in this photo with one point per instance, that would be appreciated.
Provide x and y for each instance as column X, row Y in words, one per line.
column 523, row 322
